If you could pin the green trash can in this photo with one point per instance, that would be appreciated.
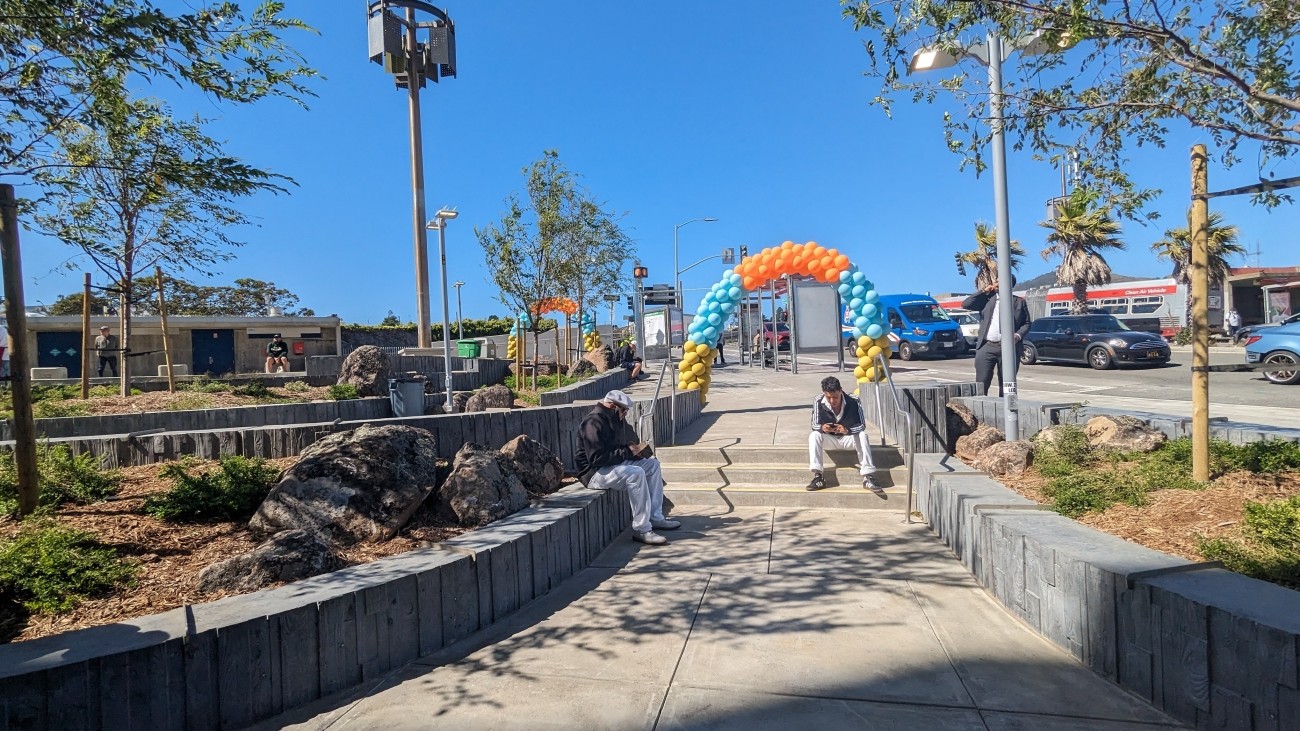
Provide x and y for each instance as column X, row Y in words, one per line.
column 468, row 348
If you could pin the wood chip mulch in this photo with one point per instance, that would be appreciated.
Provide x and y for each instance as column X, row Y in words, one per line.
column 1175, row 521
column 164, row 401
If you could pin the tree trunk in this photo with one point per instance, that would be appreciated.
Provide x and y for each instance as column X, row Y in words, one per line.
column 1080, row 305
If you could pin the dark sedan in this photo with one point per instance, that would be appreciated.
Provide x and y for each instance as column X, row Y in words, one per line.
column 1101, row 341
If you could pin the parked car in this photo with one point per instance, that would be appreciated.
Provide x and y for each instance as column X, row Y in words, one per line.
column 1249, row 330
column 969, row 323
column 921, row 326
column 782, row 336
column 1279, row 345
column 1101, row 341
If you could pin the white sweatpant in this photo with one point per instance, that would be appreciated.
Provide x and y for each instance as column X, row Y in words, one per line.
column 819, row 442
column 645, row 489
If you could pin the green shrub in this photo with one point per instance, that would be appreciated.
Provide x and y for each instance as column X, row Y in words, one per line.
column 1183, row 336
column 108, row 392
column 190, row 402
column 544, row 383
column 297, row 387
column 203, row 384
column 231, row 492
column 64, row 478
column 50, row 568
column 344, row 391
column 1068, row 454
column 52, row 409
column 1093, row 490
column 255, row 388
column 1269, row 545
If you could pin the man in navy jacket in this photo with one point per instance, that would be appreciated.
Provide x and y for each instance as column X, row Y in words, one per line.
column 838, row 422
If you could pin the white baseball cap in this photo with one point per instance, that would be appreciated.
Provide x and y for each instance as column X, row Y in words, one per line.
column 619, row 398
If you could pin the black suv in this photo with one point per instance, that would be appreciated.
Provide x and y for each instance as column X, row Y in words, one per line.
column 1101, row 341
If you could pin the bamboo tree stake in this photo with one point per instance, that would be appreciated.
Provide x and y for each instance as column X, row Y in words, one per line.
column 162, row 314
column 1198, row 272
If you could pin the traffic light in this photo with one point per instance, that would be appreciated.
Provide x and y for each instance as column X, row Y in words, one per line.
column 961, row 265
column 744, row 252
column 630, row 306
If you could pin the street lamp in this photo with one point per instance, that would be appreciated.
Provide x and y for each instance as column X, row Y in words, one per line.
column 439, row 222
column 992, row 55
column 677, row 282
column 393, row 44
column 460, row 319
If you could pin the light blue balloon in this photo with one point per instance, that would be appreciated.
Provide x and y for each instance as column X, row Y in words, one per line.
column 727, row 307
column 871, row 311
column 868, row 284
column 735, row 280
column 857, row 333
column 703, row 309
column 715, row 307
column 859, row 277
column 845, row 290
column 855, row 304
column 871, row 296
column 861, row 322
column 710, row 333
column 715, row 318
column 859, row 290
column 874, row 331
column 734, row 293
column 846, row 275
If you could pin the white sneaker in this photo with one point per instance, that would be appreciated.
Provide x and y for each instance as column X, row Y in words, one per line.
column 650, row 538
column 666, row 524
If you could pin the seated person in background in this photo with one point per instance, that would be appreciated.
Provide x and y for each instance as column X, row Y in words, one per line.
column 626, row 358
column 838, row 422
column 277, row 354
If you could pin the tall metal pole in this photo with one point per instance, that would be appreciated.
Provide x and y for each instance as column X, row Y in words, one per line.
column 447, row 406
column 29, row 488
column 1198, row 273
column 677, row 273
column 424, row 334
column 638, row 312
column 1006, row 308
column 460, row 318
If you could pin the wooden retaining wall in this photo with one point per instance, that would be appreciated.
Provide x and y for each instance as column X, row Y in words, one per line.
column 928, row 406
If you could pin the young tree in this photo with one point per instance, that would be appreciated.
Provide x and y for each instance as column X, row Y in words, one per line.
column 984, row 257
column 1115, row 74
column 562, row 239
column 1079, row 233
column 59, row 60
column 1176, row 247
column 141, row 190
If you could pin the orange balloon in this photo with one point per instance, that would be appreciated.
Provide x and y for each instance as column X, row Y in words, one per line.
column 780, row 266
column 833, row 253
column 841, row 261
column 796, row 264
column 750, row 283
column 797, row 248
column 787, row 245
column 811, row 244
column 762, row 270
column 832, row 275
column 766, row 252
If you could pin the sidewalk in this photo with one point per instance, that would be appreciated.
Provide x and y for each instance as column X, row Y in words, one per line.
column 753, row 618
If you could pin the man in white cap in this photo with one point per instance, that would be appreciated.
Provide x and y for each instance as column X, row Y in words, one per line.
column 611, row 457
column 106, row 349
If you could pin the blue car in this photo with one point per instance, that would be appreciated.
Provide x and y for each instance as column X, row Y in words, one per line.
column 1279, row 345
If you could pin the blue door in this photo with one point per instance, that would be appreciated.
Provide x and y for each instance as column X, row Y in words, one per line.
column 214, row 351
column 60, row 349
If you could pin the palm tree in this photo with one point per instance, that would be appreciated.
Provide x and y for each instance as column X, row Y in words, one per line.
column 985, row 255
column 1080, row 232
column 1177, row 248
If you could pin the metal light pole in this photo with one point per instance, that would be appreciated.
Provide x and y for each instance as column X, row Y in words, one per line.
column 393, row 43
column 439, row 222
column 460, row 319
column 677, row 282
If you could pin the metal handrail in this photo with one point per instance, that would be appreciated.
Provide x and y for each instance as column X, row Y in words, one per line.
column 882, row 366
column 654, row 402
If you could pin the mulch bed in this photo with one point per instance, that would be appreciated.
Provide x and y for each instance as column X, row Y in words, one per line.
column 166, row 401
column 171, row 555
column 1175, row 521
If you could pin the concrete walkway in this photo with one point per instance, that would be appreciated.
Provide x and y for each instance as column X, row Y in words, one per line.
column 753, row 618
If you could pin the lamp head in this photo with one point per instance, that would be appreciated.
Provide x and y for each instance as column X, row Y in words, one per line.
column 446, row 213
column 929, row 59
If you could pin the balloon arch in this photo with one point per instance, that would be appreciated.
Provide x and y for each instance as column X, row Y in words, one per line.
column 695, row 370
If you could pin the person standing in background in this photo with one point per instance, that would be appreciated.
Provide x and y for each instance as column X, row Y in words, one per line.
column 1234, row 324
column 988, row 346
column 106, row 349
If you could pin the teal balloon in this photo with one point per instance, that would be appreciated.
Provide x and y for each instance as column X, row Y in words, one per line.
column 727, row 307
column 874, row 331
column 734, row 293
column 861, row 322
column 859, row 290
column 715, row 318
column 846, row 275
column 845, row 290
column 857, row 333
column 859, row 277
column 870, row 310
column 735, row 280
column 871, row 296
column 710, row 333
column 855, row 304
column 714, row 306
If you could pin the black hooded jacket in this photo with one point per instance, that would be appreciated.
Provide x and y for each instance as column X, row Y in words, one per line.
column 603, row 441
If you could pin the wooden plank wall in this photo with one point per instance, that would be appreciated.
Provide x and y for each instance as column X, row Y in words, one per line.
column 928, row 407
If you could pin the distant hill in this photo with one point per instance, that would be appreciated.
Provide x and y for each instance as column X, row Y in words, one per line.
column 1049, row 280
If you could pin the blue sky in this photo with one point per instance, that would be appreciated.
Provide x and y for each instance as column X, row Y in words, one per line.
column 757, row 114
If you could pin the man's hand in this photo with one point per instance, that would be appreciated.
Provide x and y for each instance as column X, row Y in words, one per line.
column 834, row 429
column 992, row 288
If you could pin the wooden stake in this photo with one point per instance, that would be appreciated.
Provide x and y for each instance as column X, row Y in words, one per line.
column 162, row 315
column 87, row 341
column 29, row 487
column 1198, row 273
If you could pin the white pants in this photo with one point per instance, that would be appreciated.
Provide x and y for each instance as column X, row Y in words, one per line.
column 645, row 488
column 819, row 442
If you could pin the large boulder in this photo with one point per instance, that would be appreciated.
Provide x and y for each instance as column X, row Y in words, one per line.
column 961, row 421
column 581, row 368
column 535, row 465
column 984, row 436
column 602, row 358
column 1123, row 434
column 357, row 485
column 481, row 488
column 367, row 369
column 1005, row 458
column 492, row 397
column 288, row 556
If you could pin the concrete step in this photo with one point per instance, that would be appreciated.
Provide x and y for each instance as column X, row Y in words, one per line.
column 769, row 455
column 697, row 486
column 767, row 475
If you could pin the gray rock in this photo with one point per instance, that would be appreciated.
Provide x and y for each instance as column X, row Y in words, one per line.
column 535, row 465
column 1005, row 458
column 961, row 421
column 287, row 556
column 367, row 369
column 1053, row 435
column 984, row 436
column 357, row 485
column 481, row 488
column 1123, row 434
column 602, row 358
column 492, row 397
column 581, row 368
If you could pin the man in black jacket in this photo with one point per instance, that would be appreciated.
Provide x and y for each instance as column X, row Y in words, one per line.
column 610, row 457
column 838, row 421
column 988, row 346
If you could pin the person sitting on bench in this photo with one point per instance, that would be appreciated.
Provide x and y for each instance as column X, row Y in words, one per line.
column 626, row 358
column 838, row 422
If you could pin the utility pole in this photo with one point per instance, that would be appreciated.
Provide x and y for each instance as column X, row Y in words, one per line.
column 29, row 487
column 1198, row 273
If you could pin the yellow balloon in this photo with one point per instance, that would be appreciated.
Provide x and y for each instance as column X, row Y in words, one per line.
column 698, row 369
column 883, row 342
column 702, row 349
column 864, row 341
column 684, row 365
column 865, row 362
column 874, row 350
column 860, row 352
column 869, row 374
column 693, row 386
column 858, row 373
column 690, row 345
column 682, row 385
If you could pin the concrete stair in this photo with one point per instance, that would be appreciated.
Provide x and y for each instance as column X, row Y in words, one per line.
column 775, row 476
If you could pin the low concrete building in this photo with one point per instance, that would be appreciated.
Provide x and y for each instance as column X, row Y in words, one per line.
column 211, row 345
column 1263, row 294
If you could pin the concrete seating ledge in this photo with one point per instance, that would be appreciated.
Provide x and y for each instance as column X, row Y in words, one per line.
column 1210, row 647
column 587, row 389
column 232, row 662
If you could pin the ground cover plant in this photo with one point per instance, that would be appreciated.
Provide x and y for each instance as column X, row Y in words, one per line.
column 523, row 387
column 64, row 478
column 232, row 491
column 51, row 568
